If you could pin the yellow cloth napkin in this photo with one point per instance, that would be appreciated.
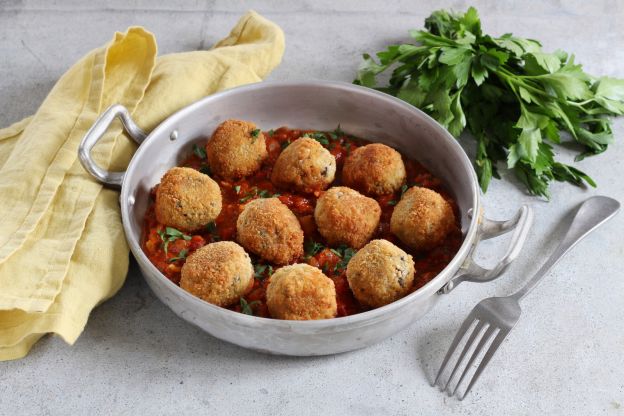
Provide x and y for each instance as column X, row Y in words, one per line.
column 62, row 248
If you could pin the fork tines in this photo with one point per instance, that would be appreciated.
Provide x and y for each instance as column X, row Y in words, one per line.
column 480, row 346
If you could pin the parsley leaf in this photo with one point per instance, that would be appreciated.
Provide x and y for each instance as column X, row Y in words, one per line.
column 255, row 133
column 211, row 228
column 246, row 307
column 345, row 253
column 258, row 193
column 205, row 169
column 312, row 248
column 170, row 234
column 262, row 270
column 338, row 132
column 318, row 136
column 180, row 256
column 512, row 97
column 199, row 151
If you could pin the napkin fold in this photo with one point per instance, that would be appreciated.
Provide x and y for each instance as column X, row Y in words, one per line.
column 62, row 247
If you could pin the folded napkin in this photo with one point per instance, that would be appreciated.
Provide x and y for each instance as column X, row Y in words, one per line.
column 62, row 247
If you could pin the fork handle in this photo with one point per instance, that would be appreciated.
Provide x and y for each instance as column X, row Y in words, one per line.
column 592, row 213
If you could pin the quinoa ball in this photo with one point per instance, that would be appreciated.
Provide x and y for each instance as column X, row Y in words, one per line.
column 374, row 169
column 344, row 216
column 219, row 273
column 267, row 227
column 422, row 219
column 237, row 148
column 301, row 292
column 305, row 165
column 187, row 199
column 380, row 273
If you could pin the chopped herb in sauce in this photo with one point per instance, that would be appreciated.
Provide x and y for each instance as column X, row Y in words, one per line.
column 260, row 193
column 205, row 169
column 211, row 227
column 181, row 256
column 237, row 188
column 311, row 248
column 336, row 252
column 255, row 133
column 169, row 235
column 319, row 137
column 345, row 253
column 246, row 307
column 199, row 151
column 260, row 269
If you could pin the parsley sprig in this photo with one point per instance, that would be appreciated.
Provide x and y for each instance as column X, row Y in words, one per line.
column 170, row 234
column 513, row 98
column 256, row 192
column 199, row 151
column 211, row 229
column 181, row 256
column 345, row 253
column 318, row 136
column 261, row 271
column 311, row 248
column 246, row 307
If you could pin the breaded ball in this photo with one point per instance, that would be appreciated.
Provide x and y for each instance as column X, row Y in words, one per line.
column 267, row 227
column 374, row 169
column 236, row 149
column 219, row 273
column 422, row 219
column 305, row 165
column 344, row 216
column 380, row 273
column 187, row 199
column 301, row 292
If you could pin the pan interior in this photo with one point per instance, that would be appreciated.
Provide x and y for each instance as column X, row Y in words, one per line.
column 318, row 105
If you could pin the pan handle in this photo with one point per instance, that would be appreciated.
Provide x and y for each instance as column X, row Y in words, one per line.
column 96, row 132
column 471, row 271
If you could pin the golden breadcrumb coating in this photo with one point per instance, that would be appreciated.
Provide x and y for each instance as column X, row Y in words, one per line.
column 344, row 216
column 301, row 292
column 237, row 148
column 422, row 219
column 374, row 169
column 380, row 273
column 219, row 273
column 305, row 165
column 267, row 227
column 187, row 199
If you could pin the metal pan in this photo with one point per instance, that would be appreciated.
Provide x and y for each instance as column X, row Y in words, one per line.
column 319, row 105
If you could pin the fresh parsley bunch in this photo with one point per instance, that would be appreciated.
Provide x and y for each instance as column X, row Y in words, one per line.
column 512, row 97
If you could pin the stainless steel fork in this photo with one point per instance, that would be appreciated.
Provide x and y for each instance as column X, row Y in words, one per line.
column 493, row 318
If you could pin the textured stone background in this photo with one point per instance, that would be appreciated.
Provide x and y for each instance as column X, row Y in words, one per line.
column 563, row 358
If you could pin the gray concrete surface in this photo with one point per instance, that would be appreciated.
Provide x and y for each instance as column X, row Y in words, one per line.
column 135, row 357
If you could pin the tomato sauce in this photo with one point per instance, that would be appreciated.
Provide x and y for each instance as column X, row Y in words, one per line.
column 167, row 248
